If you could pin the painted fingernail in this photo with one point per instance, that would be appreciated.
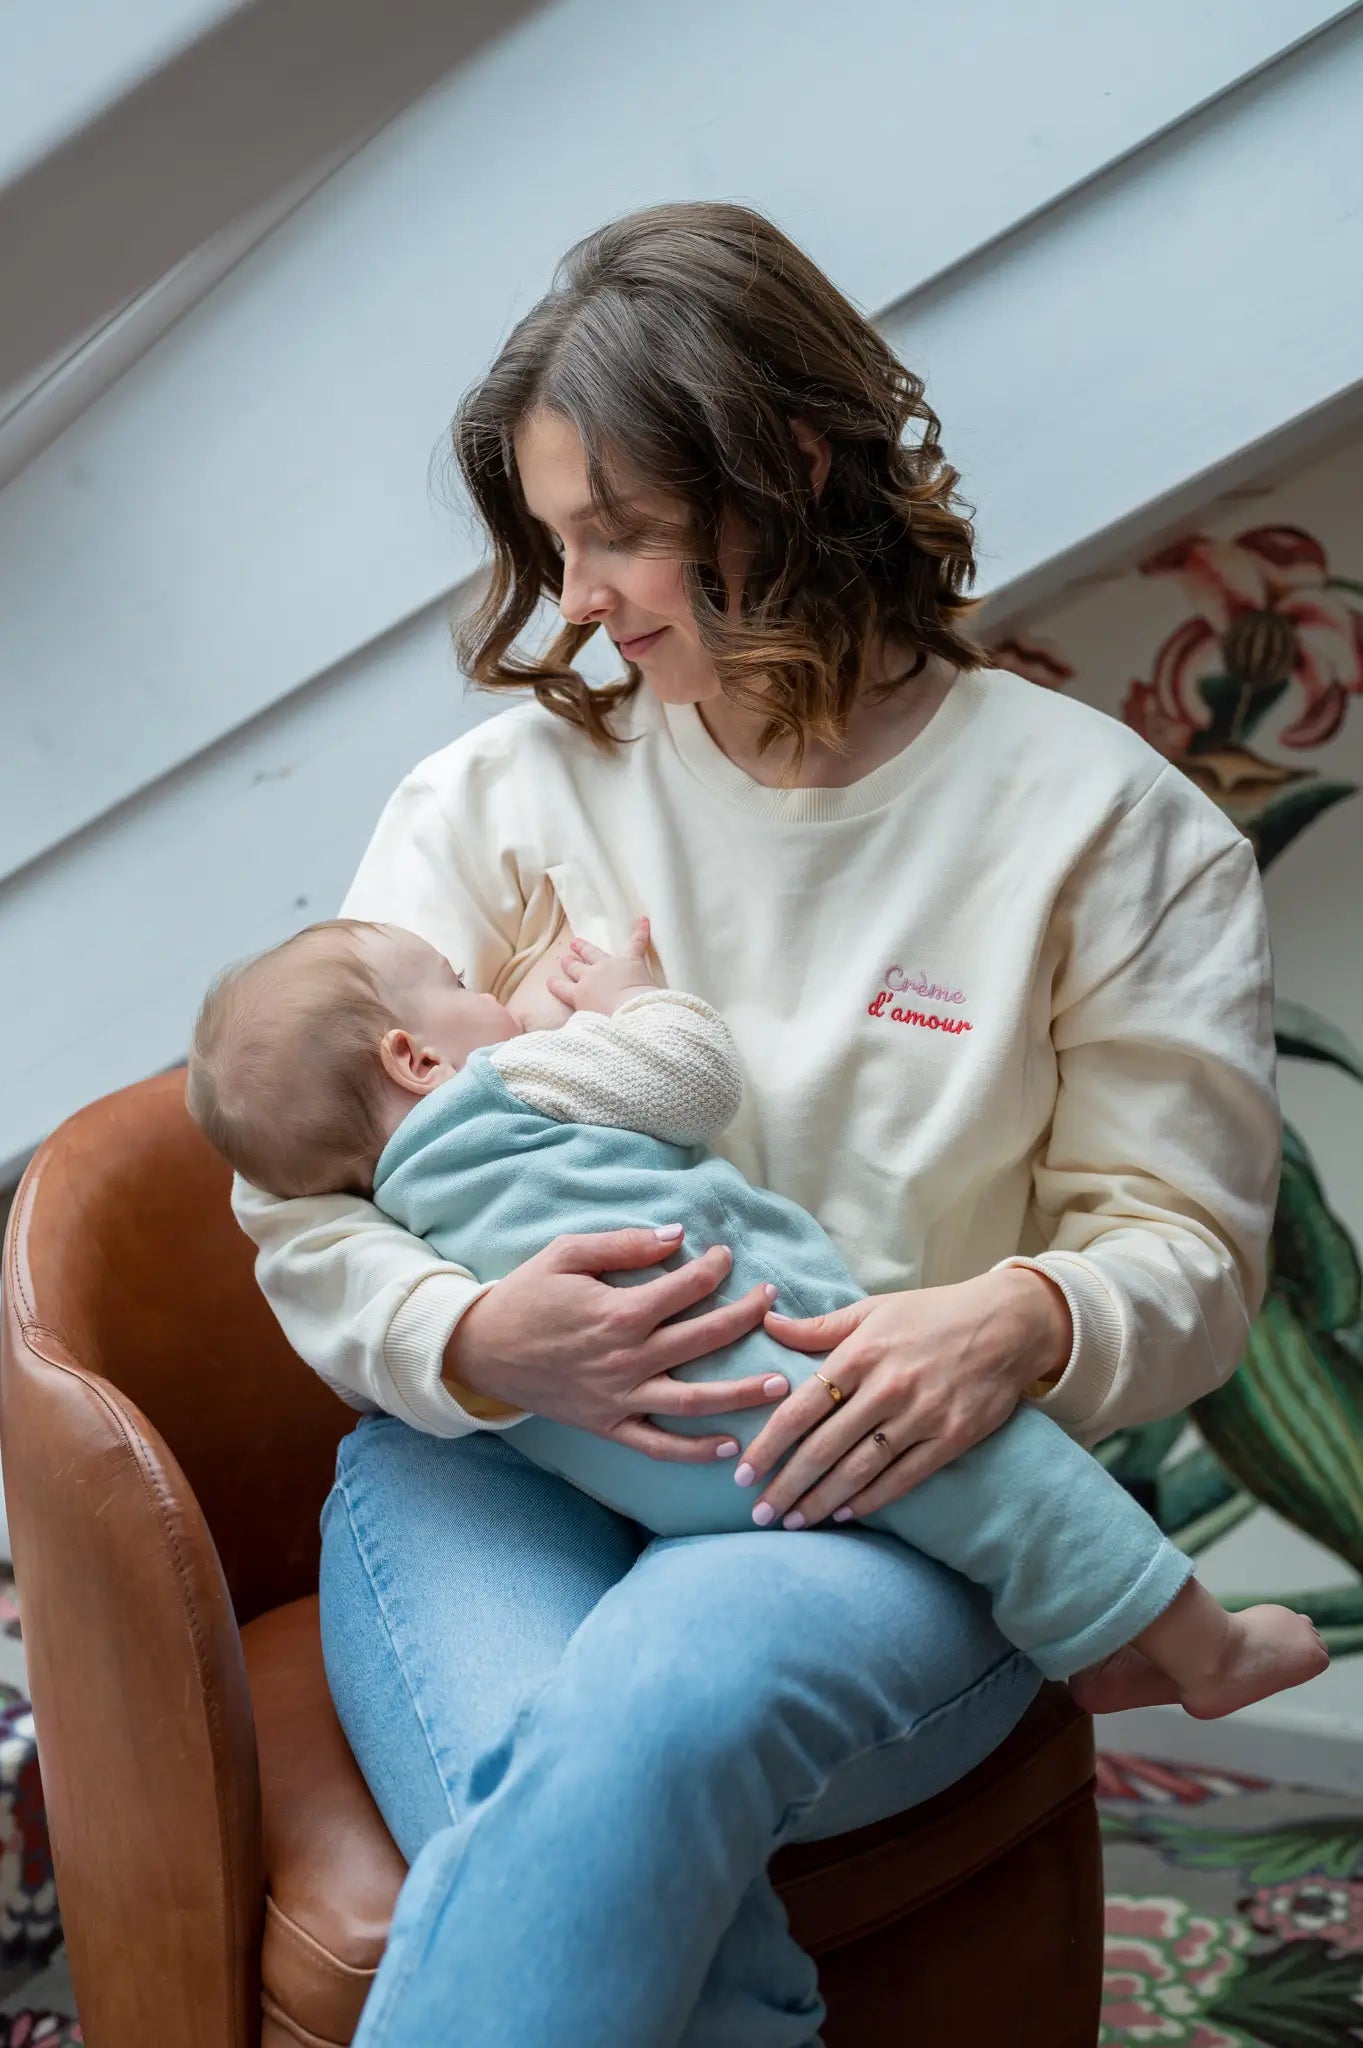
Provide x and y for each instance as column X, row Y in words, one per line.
column 776, row 1385
column 763, row 1513
column 669, row 1230
column 727, row 1451
column 842, row 1514
column 794, row 1520
column 769, row 1291
column 744, row 1475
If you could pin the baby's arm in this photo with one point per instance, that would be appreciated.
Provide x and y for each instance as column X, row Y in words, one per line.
column 659, row 1060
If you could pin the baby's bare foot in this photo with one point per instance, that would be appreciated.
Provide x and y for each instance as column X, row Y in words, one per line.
column 1264, row 1650
column 1125, row 1679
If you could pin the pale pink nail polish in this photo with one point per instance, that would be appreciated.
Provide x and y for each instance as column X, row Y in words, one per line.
column 763, row 1513
column 842, row 1514
column 727, row 1451
column 776, row 1385
column 744, row 1475
column 794, row 1520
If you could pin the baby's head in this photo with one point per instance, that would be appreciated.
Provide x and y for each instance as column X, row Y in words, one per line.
column 305, row 1060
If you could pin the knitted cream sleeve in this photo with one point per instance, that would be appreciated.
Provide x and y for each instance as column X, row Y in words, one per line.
column 665, row 1064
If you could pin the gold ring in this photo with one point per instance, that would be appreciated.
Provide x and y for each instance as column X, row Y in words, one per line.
column 835, row 1391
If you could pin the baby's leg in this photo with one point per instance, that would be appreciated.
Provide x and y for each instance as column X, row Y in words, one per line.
column 1074, row 1568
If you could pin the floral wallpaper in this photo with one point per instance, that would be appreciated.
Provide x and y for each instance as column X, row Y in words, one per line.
column 1236, row 650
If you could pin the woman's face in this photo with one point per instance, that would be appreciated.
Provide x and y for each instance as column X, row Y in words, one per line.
column 629, row 596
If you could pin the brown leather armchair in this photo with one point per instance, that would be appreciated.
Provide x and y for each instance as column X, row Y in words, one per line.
column 224, row 1876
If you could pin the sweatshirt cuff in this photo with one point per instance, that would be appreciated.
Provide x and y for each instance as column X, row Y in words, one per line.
column 414, row 1353
column 1091, row 1368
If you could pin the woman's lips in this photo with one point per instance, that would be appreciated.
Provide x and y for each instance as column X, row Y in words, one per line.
column 631, row 648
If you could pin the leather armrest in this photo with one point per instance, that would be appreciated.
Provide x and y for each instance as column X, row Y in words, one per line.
column 146, row 1741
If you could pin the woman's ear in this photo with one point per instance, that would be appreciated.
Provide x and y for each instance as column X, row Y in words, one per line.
column 413, row 1066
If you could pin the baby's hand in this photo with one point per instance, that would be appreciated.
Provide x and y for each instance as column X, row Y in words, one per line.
column 592, row 980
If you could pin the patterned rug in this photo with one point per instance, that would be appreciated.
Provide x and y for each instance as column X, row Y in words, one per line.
column 1234, row 1910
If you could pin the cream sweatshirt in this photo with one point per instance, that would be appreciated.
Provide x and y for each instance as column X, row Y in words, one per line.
column 1005, row 1000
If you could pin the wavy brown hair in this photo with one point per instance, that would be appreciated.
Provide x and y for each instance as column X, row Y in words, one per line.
column 679, row 341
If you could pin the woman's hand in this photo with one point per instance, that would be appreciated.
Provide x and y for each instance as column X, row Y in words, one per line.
column 934, row 1371
column 555, row 1339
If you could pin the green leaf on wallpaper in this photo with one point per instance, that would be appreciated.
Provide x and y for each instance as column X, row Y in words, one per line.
column 1315, row 1263
column 1330, row 1848
column 1289, row 1426
column 1197, row 1501
column 1280, row 821
column 1296, row 1996
column 1138, row 1453
column 1303, row 1035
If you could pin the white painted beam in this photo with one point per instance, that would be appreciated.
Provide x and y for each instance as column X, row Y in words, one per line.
column 246, row 508
column 206, row 127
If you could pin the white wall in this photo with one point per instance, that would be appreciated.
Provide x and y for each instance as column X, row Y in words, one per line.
column 237, row 540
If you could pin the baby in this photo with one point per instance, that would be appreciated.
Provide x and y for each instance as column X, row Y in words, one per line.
column 352, row 1057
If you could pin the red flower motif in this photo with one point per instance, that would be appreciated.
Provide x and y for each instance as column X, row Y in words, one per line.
column 1309, row 1909
column 1267, row 610
column 1036, row 660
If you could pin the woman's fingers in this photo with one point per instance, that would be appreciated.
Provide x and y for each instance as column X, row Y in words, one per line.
column 680, row 1343
column 813, row 1495
column 901, row 1475
column 656, row 1300
column 809, row 1407
column 818, row 1333
column 670, row 1445
column 612, row 1251
column 666, row 1396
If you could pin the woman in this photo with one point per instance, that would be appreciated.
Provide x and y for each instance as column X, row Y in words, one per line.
column 1001, row 980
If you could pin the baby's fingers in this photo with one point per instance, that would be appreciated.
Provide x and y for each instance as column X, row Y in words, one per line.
column 587, row 951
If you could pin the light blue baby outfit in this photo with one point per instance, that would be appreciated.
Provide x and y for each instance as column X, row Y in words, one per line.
column 1072, row 1566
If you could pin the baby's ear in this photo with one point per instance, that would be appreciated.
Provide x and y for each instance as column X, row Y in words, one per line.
column 405, row 1060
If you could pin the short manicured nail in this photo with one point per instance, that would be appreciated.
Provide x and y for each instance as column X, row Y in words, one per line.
column 668, row 1230
column 776, row 1385
column 744, row 1475
column 842, row 1514
column 727, row 1451
column 794, row 1520
column 769, row 1291
column 763, row 1513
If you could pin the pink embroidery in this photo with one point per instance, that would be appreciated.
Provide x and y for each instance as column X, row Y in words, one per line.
column 931, row 991
column 926, row 1020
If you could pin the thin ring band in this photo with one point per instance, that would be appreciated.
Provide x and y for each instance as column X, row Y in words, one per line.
column 834, row 1390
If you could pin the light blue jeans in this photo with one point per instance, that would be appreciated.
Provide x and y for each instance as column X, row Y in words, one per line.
column 588, row 1742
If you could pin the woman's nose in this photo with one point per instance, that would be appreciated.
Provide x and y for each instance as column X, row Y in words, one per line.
column 582, row 602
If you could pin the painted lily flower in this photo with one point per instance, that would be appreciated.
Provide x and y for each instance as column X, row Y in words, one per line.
column 1268, row 612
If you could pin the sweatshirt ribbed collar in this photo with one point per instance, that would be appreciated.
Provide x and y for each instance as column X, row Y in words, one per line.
column 710, row 765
